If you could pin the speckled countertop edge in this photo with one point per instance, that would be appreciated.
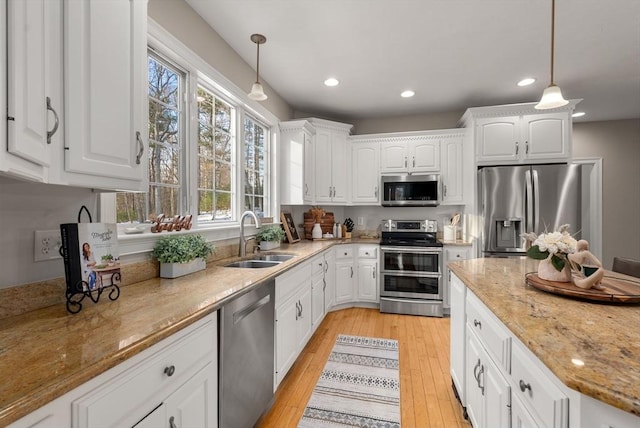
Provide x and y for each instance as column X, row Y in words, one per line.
column 48, row 352
column 558, row 329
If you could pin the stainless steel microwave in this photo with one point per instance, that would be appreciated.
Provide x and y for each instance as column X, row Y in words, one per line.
column 410, row 190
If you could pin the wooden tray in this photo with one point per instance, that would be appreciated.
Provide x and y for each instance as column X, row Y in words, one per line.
column 617, row 290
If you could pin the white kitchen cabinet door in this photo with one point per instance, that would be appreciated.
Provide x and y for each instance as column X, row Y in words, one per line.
column 340, row 167
column 344, row 281
column 195, row 403
column 305, row 321
column 105, row 91
column 393, row 157
column 367, row 280
column 286, row 337
column 497, row 139
column 317, row 300
column 457, row 336
column 474, row 399
column 497, row 396
column 309, row 170
column 365, row 177
column 323, row 166
column 452, row 171
column 424, row 155
column 34, row 92
column 520, row 417
column 330, row 279
column 546, row 136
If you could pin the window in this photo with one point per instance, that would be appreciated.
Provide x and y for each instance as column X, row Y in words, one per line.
column 209, row 156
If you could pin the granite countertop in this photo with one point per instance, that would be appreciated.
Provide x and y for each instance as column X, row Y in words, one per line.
column 48, row 352
column 558, row 329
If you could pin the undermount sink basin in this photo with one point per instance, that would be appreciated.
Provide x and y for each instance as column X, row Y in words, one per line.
column 274, row 257
column 253, row 264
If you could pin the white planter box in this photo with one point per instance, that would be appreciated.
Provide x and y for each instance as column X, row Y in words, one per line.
column 174, row 270
column 269, row 245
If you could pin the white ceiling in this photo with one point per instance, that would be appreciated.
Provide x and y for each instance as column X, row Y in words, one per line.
column 453, row 53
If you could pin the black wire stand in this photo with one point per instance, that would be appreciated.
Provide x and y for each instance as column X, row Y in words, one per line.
column 78, row 292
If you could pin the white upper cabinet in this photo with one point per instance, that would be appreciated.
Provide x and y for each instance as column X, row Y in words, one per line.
column 296, row 161
column 105, row 99
column 410, row 153
column 332, row 161
column 520, row 134
column 365, row 178
column 452, row 169
column 34, row 88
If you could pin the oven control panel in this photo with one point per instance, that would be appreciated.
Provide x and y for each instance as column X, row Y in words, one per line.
column 409, row 226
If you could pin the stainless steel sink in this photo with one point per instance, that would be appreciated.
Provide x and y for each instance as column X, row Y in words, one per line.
column 274, row 257
column 253, row 264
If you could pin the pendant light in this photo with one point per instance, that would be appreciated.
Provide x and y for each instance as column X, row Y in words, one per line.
column 257, row 93
column 552, row 96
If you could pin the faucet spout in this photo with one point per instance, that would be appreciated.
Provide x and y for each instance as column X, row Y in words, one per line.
column 242, row 248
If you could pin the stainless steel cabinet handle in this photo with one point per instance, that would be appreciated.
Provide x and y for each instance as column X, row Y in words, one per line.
column 475, row 370
column 413, row 161
column 172, row 423
column 301, row 309
column 374, row 272
column 444, row 188
column 351, row 271
column 375, row 191
column 517, row 147
column 326, row 266
column 405, row 161
column 297, row 310
column 477, row 324
column 141, row 144
column 479, row 374
column 170, row 370
column 524, row 386
column 324, row 284
column 55, row 125
column 526, row 147
column 306, row 189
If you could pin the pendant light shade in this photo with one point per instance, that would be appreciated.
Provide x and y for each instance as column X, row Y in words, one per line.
column 257, row 92
column 552, row 96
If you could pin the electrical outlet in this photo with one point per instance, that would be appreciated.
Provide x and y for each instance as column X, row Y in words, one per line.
column 360, row 221
column 46, row 245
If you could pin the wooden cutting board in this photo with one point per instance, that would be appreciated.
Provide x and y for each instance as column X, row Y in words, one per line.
column 326, row 224
column 616, row 290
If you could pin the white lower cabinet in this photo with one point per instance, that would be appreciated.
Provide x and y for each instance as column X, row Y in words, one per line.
column 487, row 391
column 520, row 417
column 451, row 253
column 175, row 378
column 329, row 279
column 318, row 288
column 294, row 313
column 344, row 273
column 457, row 336
column 367, row 276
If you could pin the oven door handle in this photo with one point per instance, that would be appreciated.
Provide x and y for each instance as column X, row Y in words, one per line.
column 412, row 274
column 416, row 250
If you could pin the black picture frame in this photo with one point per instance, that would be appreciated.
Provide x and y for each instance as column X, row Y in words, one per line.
column 289, row 227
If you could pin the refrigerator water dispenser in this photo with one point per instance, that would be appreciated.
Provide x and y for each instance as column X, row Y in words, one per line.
column 508, row 233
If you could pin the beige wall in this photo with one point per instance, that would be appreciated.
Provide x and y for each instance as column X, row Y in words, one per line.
column 407, row 123
column 618, row 144
column 177, row 17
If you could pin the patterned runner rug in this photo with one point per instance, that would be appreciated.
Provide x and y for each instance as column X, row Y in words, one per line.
column 359, row 386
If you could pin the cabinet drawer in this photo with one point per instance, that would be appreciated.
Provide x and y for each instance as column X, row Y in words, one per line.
column 135, row 392
column 367, row 252
column 288, row 282
column 494, row 337
column 538, row 393
column 317, row 265
column 344, row 252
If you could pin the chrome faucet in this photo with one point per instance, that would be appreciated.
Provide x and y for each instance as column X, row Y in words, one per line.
column 242, row 250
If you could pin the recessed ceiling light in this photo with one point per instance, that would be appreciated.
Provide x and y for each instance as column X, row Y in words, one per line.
column 331, row 82
column 578, row 114
column 407, row 94
column 526, row 82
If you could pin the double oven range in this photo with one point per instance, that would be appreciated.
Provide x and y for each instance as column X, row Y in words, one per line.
column 411, row 271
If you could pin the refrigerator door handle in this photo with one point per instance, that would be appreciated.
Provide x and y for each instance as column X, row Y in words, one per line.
column 536, row 202
column 529, row 200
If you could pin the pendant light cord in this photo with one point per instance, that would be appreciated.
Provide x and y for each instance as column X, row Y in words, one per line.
column 258, row 64
column 553, row 26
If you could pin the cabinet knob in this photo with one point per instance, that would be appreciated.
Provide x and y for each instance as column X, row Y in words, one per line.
column 169, row 371
column 366, row 253
column 477, row 324
column 524, row 386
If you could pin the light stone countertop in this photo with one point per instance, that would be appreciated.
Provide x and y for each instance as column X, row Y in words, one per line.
column 48, row 352
column 556, row 329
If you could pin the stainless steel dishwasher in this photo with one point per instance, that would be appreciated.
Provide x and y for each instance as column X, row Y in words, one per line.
column 246, row 357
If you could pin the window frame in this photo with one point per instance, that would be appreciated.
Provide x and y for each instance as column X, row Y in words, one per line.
column 199, row 72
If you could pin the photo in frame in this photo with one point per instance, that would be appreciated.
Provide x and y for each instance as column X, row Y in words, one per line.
column 289, row 227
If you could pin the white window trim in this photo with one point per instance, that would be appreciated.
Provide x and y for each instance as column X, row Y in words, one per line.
column 165, row 42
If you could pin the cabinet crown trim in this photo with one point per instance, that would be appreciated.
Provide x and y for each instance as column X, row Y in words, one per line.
column 297, row 125
column 408, row 136
column 510, row 110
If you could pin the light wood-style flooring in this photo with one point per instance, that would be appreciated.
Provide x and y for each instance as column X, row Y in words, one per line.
column 426, row 397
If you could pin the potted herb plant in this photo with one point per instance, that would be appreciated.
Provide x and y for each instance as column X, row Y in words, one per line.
column 269, row 237
column 181, row 254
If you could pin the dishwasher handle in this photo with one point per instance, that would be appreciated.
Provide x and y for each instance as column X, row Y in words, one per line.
column 247, row 310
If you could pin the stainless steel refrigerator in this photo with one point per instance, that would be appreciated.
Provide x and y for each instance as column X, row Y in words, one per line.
column 527, row 198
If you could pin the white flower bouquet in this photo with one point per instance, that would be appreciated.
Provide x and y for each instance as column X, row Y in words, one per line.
column 554, row 246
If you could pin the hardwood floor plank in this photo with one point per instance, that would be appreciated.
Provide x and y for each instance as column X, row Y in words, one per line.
column 425, row 384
